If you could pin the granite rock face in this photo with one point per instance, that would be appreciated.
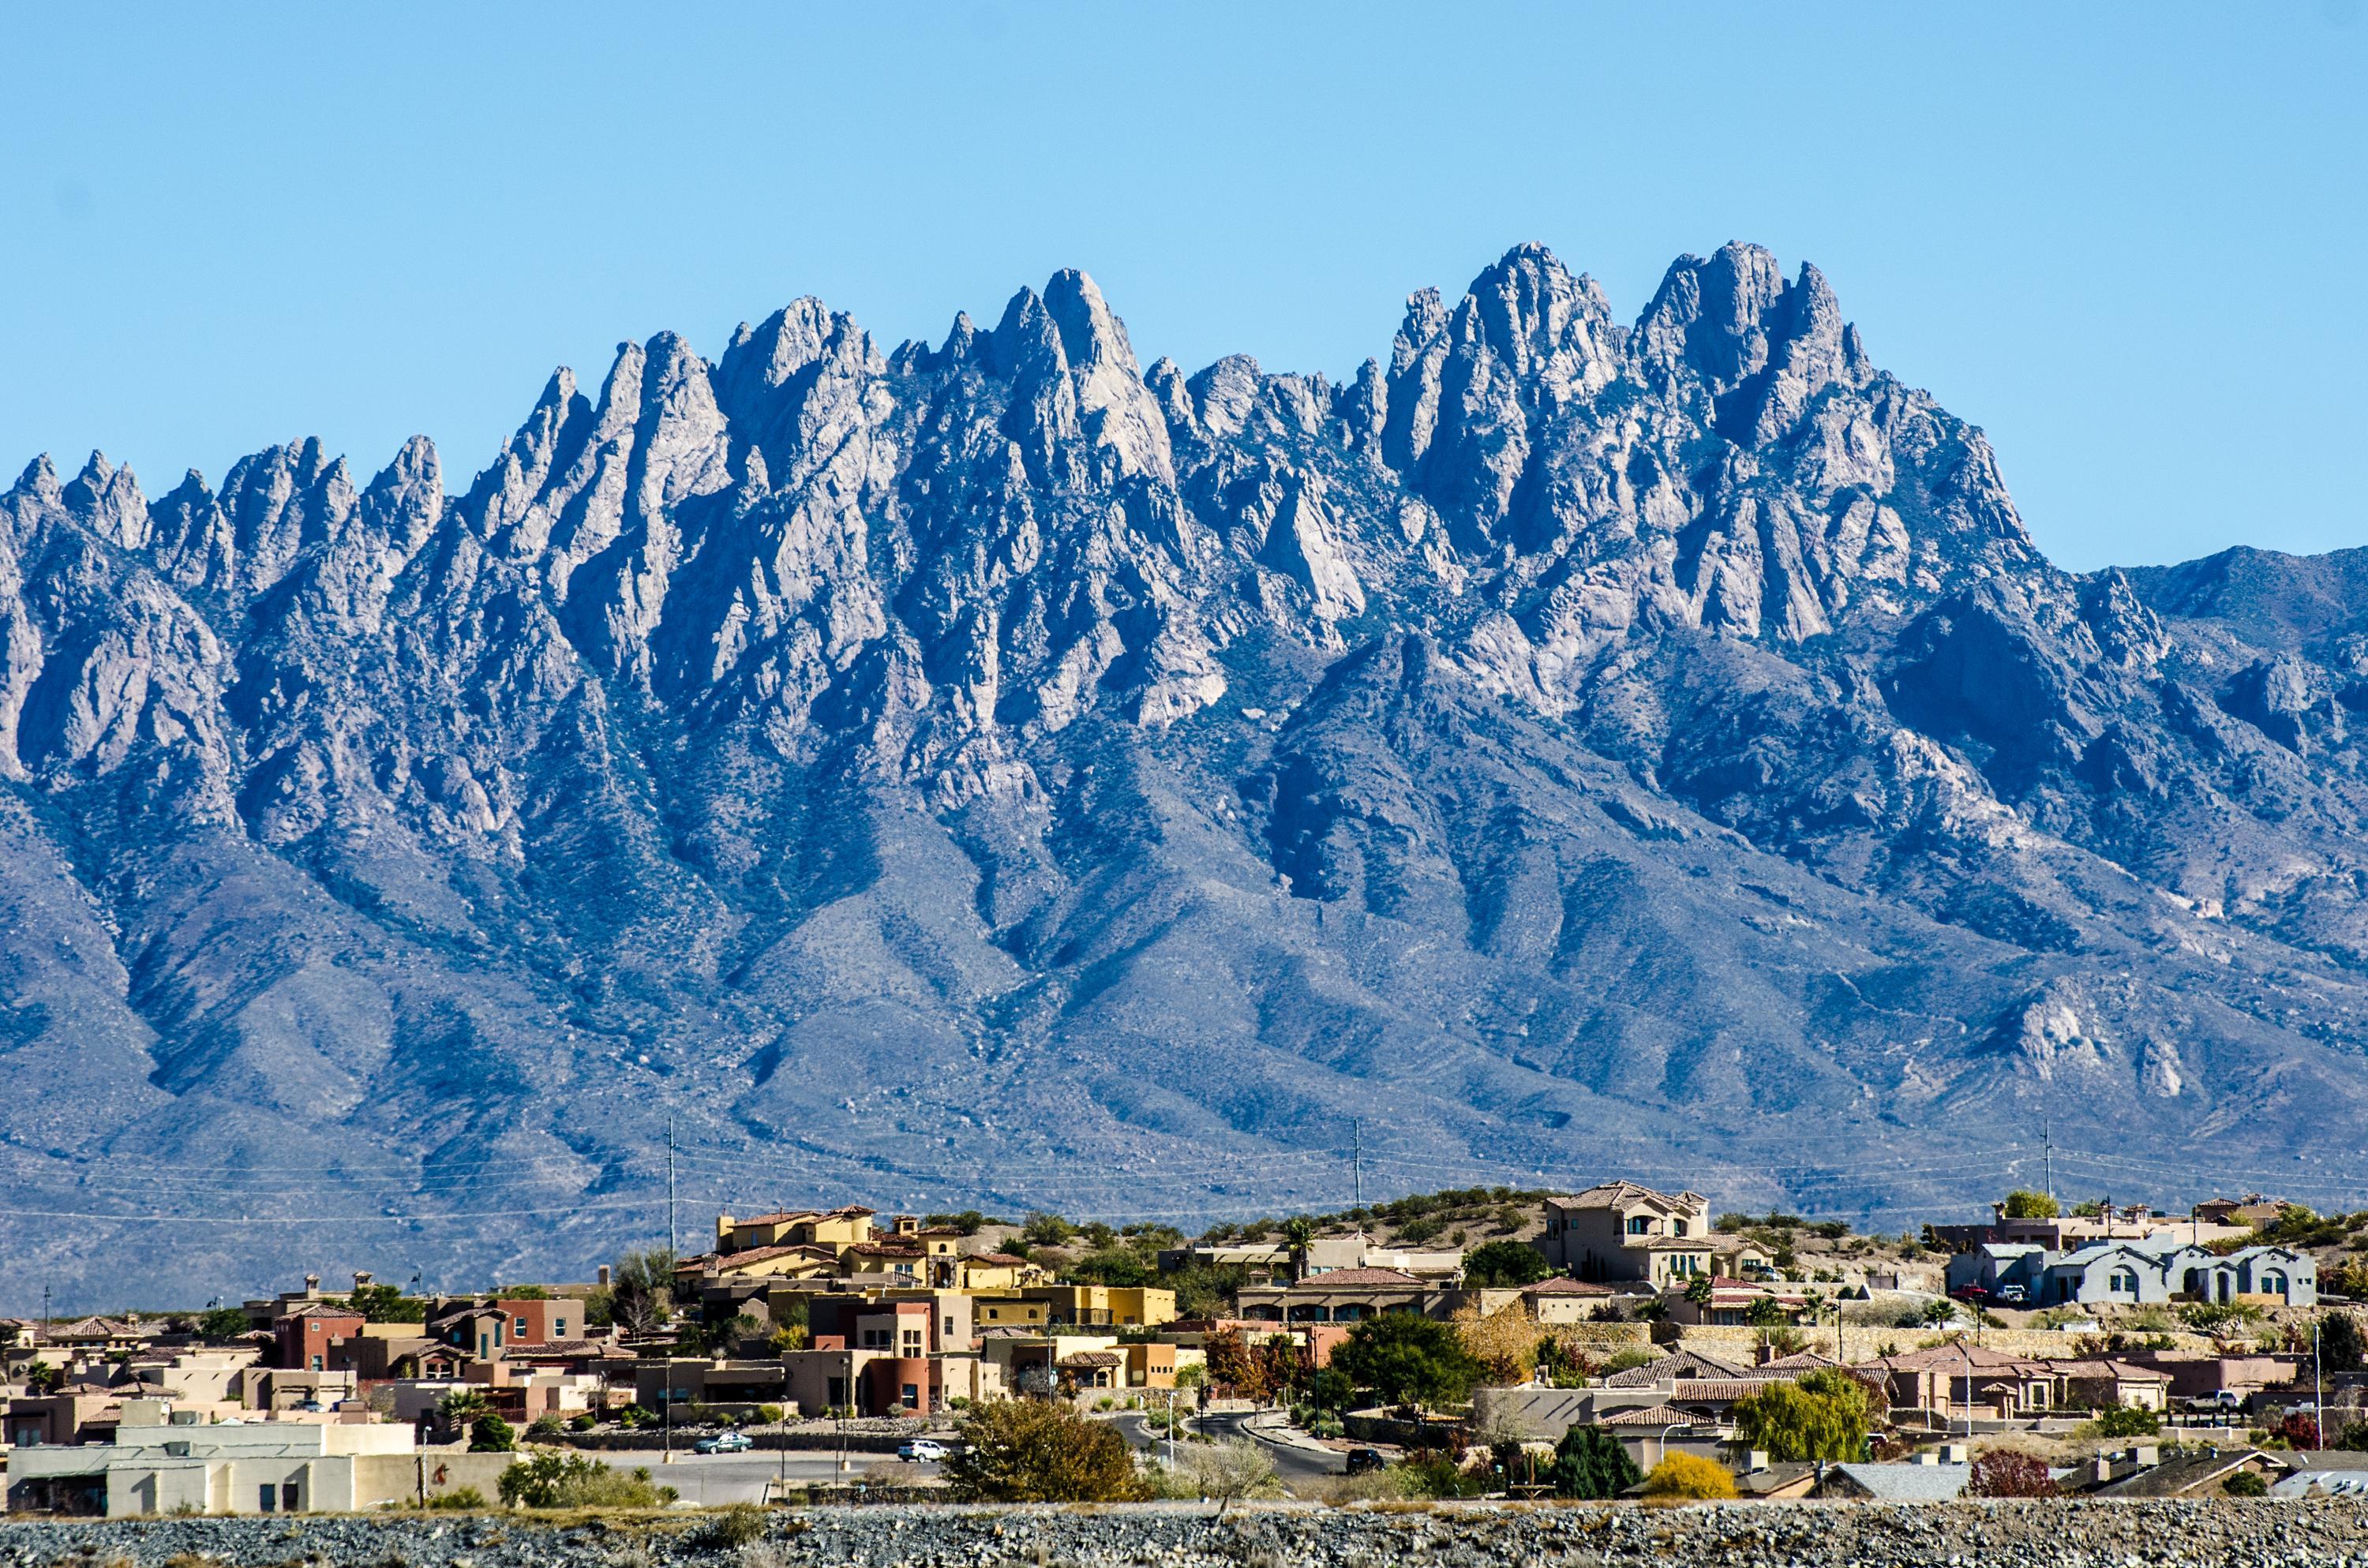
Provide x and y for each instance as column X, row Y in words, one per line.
column 997, row 771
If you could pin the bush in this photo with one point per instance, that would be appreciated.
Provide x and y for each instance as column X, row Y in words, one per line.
column 1027, row 1450
column 491, row 1435
column 460, row 1499
column 1628, row 1359
column 2024, row 1204
column 1429, row 1474
column 1229, row 1471
column 546, row 1429
column 740, row 1525
column 1690, row 1476
column 553, row 1479
column 2339, row 1346
column 2002, row 1472
column 2244, row 1483
column 583, row 1423
column 2298, row 1431
column 1504, row 1264
column 1591, row 1463
column 2124, row 1421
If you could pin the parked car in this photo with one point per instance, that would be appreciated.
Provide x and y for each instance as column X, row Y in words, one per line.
column 922, row 1450
column 724, row 1443
column 1362, row 1462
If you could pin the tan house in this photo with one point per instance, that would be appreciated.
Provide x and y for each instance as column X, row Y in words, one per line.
column 836, row 1228
column 1622, row 1231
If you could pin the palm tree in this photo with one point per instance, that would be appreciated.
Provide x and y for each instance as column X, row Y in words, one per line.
column 1298, row 1231
column 461, row 1406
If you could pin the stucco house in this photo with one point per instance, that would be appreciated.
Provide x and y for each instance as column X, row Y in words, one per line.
column 1621, row 1231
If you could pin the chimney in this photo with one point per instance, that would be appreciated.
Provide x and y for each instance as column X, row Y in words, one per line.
column 312, row 1284
column 1756, row 1461
column 361, row 1278
column 604, row 1276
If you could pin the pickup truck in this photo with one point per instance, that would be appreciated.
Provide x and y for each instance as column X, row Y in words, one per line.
column 2219, row 1402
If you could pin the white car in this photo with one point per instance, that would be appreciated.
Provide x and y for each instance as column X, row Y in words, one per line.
column 922, row 1450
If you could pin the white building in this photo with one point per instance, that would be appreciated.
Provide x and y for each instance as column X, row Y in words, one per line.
column 264, row 1467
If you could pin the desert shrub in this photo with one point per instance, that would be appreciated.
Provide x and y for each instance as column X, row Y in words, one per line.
column 460, row 1499
column 553, row 1479
column 2244, row 1483
column 729, row 1529
column 2128, row 1421
column 491, row 1435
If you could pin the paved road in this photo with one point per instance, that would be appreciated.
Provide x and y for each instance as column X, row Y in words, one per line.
column 1290, row 1460
column 709, row 1480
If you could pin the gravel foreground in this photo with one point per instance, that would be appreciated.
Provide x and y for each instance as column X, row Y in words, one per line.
column 2004, row 1535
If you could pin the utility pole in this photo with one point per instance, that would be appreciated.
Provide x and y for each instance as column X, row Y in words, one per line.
column 2047, row 1141
column 2317, row 1392
column 1357, row 1159
column 45, row 1314
column 673, row 1249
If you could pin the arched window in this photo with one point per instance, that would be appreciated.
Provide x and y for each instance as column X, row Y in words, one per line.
column 2125, row 1282
column 2273, row 1283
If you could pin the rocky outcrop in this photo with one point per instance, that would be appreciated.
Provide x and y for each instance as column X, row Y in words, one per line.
column 995, row 770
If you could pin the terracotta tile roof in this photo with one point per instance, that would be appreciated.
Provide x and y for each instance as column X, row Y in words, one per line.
column 1645, row 1415
column 321, row 1310
column 1357, row 1279
column 1562, row 1285
column 995, row 1259
column 1720, row 1389
column 1092, row 1358
column 1607, row 1195
column 1677, row 1364
column 881, row 1249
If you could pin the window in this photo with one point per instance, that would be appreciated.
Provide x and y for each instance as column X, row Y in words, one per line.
column 559, row 1328
column 316, row 1363
column 2125, row 1282
column 1676, row 1227
column 266, row 1498
column 1639, row 1226
column 2273, row 1283
column 520, row 1330
column 912, row 1395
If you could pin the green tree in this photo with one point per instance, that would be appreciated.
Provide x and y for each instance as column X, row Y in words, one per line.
column 523, row 1293
column 491, row 1435
column 547, row 1430
column 1700, row 1289
column 2024, row 1204
column 1589, row 1464
column 640, row 1293
column 1406, row 1357
column 1329, row 1388
column 1819, row 1416
column 1504, row 1264
column 1033, row 1451
column 463, row 1405
column 386, row 1303
column 224, row 1323
column 1046, row 1231
column 2339, row 1346
column 2244, row 1483
column 1117, row 1265
column 1766, row 1312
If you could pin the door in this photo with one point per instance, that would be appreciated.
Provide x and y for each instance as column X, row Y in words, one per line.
column 266, row 1497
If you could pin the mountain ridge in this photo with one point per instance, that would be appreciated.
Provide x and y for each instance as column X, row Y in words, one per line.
column 999, row 771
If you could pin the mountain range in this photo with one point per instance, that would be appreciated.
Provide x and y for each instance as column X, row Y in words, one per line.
column 997, row 774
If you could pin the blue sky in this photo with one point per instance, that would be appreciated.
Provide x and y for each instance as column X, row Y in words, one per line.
column 2125, row 240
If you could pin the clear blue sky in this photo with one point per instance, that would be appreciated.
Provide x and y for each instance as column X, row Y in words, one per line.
column 2125, row 240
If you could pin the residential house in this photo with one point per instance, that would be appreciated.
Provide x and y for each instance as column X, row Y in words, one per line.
column 302, row 1338
column 2251, row 1210
column 1959, row 1380
column 2064, row 1233
column 1332, row 1255
column 2103, row 1383
column 835, row 1229
column 877, row 1357
column 1733, row 1303
column 2136, row 1273
column 1621, row 1231
column 1563, row 1299
column 1345, row 1295
column 271, row 1467
column 2203, row 1474
column 1926, row 1479
column 986, row 1271
column 83, row 1413
column 1261, row 1262
column 1131, row 1306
